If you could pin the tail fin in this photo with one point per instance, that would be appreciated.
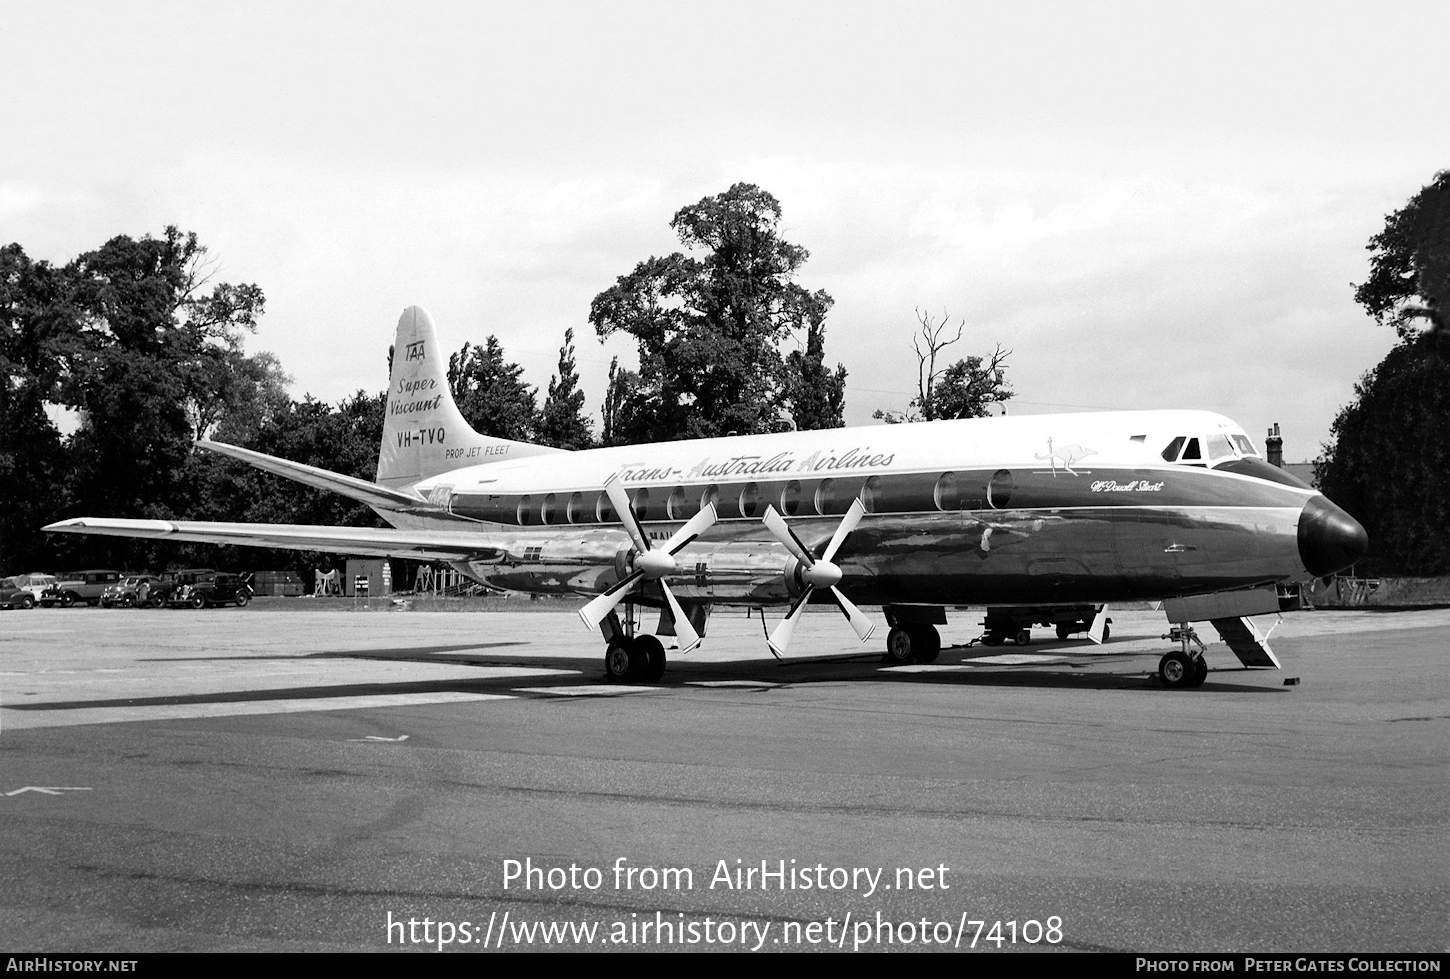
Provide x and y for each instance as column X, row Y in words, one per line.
column 424, row 434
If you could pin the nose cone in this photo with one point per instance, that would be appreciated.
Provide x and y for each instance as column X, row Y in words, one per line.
column 1330, row 540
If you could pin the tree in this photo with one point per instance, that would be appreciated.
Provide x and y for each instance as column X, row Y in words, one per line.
column 34, row 326
column 709, row 329
column 490, row 393
column 1389, row 457
column 965, row 389
column 1389, row 464
column 1410, row 261
column 561, row 421
column 131, row 336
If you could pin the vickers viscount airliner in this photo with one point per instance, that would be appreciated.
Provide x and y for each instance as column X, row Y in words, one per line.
column 1043, row 519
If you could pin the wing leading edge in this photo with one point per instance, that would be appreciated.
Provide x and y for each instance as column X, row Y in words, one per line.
column 432, row 545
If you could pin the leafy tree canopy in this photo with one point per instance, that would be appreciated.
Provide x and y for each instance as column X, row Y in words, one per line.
column 562, row 422
column 710, row 328
column 490, row 393
column 1409, row 281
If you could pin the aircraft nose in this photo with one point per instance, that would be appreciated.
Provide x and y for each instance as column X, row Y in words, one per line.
column 1330, row 540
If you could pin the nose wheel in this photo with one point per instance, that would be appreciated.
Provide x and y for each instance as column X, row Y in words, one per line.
column 1185, row 667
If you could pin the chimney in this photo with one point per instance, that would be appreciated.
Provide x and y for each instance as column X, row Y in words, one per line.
column 1274, row 447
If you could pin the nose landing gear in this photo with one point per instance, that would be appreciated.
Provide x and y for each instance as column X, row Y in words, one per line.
column 1184, row 668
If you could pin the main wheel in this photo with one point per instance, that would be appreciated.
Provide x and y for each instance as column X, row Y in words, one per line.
column 926, row 643
column 1024, row 637
column 1064, row 630
column 899, row 645
column 619, row 660
column 1177, row 670
column 653, row 652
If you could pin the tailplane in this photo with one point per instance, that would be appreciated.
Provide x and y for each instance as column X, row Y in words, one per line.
column 424, row 433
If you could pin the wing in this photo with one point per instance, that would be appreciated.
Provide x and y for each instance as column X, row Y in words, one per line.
column 424, row 544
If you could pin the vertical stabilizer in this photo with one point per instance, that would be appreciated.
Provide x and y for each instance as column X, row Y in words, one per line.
column 424, row 434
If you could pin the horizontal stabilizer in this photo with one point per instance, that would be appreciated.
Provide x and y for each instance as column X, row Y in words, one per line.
column 349, row 486
column 364, row 541
column 1243, row 637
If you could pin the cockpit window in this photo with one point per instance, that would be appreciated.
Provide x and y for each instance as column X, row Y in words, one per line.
column 1170, row 454
column 1192, row 452
column 1219, row 447
column 1246, row 447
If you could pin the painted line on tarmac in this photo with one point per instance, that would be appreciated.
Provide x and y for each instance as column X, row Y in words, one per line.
column 746, row 684
column 38, row 717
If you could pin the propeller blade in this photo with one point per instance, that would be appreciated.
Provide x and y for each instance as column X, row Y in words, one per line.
column 684, row 630
column 860, row 622
column 780, row 637
column 777, row 526
column 696, row 526
column 848, row 523
column 594, row 612
column 619, row 499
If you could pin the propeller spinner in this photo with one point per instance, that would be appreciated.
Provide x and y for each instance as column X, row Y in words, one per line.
column 816, row 573
column 650, row 564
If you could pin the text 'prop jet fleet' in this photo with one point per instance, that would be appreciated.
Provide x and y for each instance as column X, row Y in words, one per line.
column 1042, row 519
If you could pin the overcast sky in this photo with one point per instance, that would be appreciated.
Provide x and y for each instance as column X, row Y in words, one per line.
column 1152, row 205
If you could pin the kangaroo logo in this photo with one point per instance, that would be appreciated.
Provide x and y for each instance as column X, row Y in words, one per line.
column 1066, row 455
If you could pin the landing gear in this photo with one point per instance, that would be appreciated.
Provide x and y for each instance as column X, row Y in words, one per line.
column 913, row 643
column 1184, row 668
column 632, row 659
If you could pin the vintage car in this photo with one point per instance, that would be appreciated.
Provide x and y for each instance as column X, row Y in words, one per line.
column 217, row 588
column 73, row 587
column 39, row 584
column 134, row 589
column 14, row 596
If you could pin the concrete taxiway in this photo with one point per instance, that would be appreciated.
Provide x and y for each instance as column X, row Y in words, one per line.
column 255, row 779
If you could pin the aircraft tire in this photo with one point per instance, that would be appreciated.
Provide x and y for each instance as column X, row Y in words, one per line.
column 900, row 645
column 1023, row 637
column 653, row 653
column 619, row 660
column 1177, row 671
column 1064, row 630
column 1107, row 631
column 925, row 643
column 1200, row 671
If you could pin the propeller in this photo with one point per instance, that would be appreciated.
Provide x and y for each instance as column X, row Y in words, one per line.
column 650, row 564
column 816, row 573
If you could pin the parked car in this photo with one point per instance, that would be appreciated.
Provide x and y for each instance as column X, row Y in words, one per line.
column 83, row 586
column 219, row 588
column 164, row 589
column 134, row 589
column 14, row 596
column 38, row 583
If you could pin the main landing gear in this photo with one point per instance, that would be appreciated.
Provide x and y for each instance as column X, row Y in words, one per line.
column 913, row 644
column 1185, row 667
column 635, row 659
column 631, row 657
